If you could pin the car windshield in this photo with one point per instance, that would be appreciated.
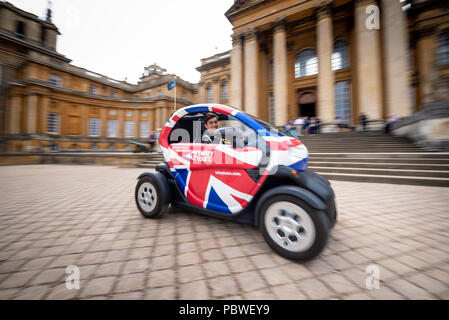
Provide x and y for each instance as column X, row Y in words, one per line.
column 273, row 128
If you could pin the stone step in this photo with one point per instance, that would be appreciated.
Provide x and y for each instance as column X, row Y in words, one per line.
column 148, row 166
column 421, row 155
column 383, row 160
column 379, row 165
column 383, row 171
column 410, row 180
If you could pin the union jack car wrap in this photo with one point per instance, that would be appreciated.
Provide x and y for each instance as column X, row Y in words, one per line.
column 215, row 176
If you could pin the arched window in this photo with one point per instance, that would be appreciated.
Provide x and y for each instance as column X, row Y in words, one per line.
column 306, row 63
column 340, row 56
column 443, row 49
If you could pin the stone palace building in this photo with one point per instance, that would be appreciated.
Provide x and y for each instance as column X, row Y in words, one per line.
column 289, row 58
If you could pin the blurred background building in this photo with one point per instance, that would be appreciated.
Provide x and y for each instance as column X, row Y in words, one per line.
column 289, row 59
column 48, row 103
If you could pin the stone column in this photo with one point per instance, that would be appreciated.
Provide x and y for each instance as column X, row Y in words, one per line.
column 103, row 122
column 426, row 48
column 157, row 118
column 202, row 92
column 45, row 103
column 325, row 47
column 136, row 123
column 31, row 114
column 236, row 72
column 395, row 43
column 251, row 79
column 150, row 120
column 280, row 73
column 368, row 64
column 85, row 120
column 14, row 115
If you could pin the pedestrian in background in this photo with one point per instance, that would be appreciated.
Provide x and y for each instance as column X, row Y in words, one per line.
column 364, row 121
column 151, row 140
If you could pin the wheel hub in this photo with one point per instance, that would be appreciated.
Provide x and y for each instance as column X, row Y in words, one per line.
column 290, row 226
column 147, row 196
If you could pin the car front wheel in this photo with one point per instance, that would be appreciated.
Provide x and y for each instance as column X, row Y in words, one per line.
column 292, row 228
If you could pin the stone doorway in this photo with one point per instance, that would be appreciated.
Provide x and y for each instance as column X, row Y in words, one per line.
column 307, row 102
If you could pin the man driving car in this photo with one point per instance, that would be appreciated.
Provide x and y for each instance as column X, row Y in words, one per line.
column 211, row 124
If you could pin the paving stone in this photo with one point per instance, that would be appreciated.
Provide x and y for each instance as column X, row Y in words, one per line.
column 163, row 293
column 409, row 290
column 98, row 287
column 188, row 258
column 130, row 282
column 161, row 278
column 190, row 273
column 223, row 286
column 194, row 291
column 315, row 289
column 216, row 268
column 274, row 276
column 288, row 292
column 18, row 279
column 250, row 281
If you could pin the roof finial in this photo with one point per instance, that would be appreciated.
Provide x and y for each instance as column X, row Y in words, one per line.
column 49, row 7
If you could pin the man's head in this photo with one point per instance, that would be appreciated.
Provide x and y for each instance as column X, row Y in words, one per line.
column 211, row 121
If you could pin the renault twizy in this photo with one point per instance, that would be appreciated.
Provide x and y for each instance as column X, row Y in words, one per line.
column 252, row 173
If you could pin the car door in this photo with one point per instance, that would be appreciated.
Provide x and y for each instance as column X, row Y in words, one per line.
column 216, row 176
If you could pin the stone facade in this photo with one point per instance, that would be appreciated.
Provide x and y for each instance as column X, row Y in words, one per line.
column 337, row 58
column 48, row 103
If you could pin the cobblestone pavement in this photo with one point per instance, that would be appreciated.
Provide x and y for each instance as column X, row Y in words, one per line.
column 53, row 216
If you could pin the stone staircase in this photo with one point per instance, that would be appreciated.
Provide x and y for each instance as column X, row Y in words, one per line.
column 153, row 159
column 375, row 157
column 367, row 157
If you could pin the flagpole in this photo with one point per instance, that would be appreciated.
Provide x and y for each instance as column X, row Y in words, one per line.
column 175, row 93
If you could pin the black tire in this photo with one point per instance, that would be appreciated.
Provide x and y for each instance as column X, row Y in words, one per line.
column 332, row 215
column 319, row 220
column 161, row 199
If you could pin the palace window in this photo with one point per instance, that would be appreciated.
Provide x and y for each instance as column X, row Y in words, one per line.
column 340, row 58
column 144, row 132
column 129, row 129
column 112, row 112
column 342, row 101
column 112, row 129
column 209, row 94
column 113, row 94
column 129, row 113
column 94, row 127
column 224, row 91
column 443, row 49
column 93, row 90
column 53, row 123
column 271, row 107
column 43, row 34
column 55, row 80
column 20, row 29
column 306, row 63
column 144, row 114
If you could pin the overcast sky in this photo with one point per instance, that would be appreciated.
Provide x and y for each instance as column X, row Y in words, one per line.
column 119, row 38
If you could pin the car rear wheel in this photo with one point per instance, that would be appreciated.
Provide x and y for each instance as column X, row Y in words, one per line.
column 292, row 228
column 149, row 196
